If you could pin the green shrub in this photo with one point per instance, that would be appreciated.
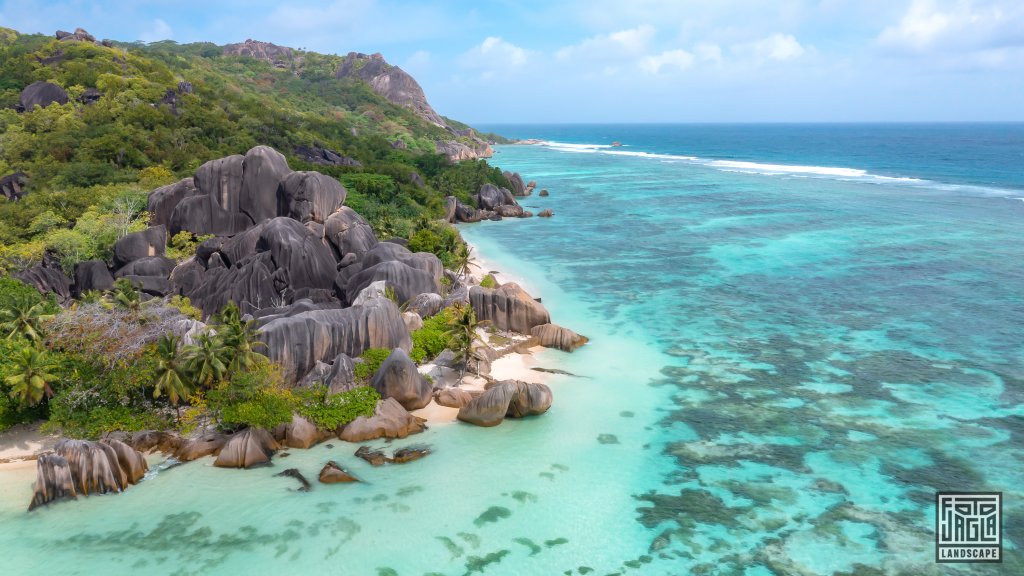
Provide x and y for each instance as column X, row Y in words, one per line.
column 372, row 359
column 488, row 282
column 184, row 305
column 432, row 338
column 330, row 411
column 267, row 408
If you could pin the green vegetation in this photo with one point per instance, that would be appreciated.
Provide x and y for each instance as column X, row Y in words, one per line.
column 462, row 334
column 488, row 281
column 329, row 411
column 432, row 338
column 371, row 360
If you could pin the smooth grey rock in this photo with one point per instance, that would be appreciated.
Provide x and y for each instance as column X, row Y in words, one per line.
column 376, row 289
column 425, row 305
column 149, row 242
column 341, row 377
column 309, row 196
column 159, row 266
column 398, row 378
column 555, row 336
column 508, row 307
column 263, row 170
column 349, row 232
column 406, row 281
column 42, row 94
column 413, row 322
column 162, row 201
column 510, row 398
column 47, row 280
column 389, row 420
column 92, row 275
column 392, row 252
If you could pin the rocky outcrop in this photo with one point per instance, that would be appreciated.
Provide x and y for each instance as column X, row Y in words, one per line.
column 324, row 157
column 398, row 378
column 453, row 397
column 248, row 448
column 349, row 233
column 389, row 81
column 457, row 151
column 389, row 420
column 545, row 213
column 79, row 35
column 408, row 454
column 92, row 275
column 301, row 433
column 205, row 445
column 406, row 281
column 508, row 307
column 12, row 186
column 341, row 376
column 516, row 183
column 156, row 266
column 42, row 94
column 278, row 56
column 94, row 467
column 507, row 399
column 332, row 473
column 162, row 201
column 149, row 242
column 555, row 336
column 306, row 196
column 53, row 481
column 298, row 342
column 544, row 193
column 47, row 280
column 425, row 305
column 372, row 457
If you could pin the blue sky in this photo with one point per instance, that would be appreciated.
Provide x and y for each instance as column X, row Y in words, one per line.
column 629, row 60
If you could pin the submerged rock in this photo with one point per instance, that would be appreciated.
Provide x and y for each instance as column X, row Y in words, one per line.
column 332, row 473
column 294, row 473
column 374, row 457
column 408, row 454
column 248, row 448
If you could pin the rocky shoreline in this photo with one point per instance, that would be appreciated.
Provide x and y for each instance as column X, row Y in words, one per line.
column 321, row 289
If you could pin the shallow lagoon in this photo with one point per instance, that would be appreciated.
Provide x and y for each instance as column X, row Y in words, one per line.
column 782, row 371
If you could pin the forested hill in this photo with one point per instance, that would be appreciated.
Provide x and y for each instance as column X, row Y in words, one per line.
column 84, row 123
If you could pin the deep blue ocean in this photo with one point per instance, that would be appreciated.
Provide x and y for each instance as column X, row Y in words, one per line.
column 798, row 335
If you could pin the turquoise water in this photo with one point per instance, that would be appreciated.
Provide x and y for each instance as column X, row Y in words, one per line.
column 790, row 353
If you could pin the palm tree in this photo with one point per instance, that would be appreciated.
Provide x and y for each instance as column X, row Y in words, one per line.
column 32, row 376
column 462, row 260
column 462, row 334
column 126, row 295
column 238, row 337
column 25, row 319
column 169, row 370
column 206, row 360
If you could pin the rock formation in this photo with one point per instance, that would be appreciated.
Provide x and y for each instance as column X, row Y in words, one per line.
column 47, row 280
column 53, row 481
column 42, row 94
column 507, row 399
column 324, row 157
column 301, row 433
column 12, row 186
column 398, row 378
column 278, row 56
column 453, row 397
column 555, row 336
column 248, row 448
column 149, row 242
column 84, row 467
column 389, row 420
column 391, row 82
column 332, row 473
column 508, row 307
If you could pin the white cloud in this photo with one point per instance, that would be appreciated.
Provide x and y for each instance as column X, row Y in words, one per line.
column 494, row 52
column 930, row 26
column 708, row 52
column 160, row 31
column 623, row 44
column 678, row 59
column 777, row 47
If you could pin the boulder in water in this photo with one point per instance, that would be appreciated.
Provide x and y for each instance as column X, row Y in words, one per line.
column 332, row 473
column 555, row 336
column 510, row 398
column 248, row 448
column 53, row 481
column 389, row 420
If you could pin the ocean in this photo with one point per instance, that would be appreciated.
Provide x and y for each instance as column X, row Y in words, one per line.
column 799, row 334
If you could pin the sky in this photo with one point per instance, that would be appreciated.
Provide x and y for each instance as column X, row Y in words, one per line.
column 501, row 61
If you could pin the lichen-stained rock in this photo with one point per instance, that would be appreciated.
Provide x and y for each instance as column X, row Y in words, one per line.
column 42, row 94
column 298, row 342
column 407, row 282
column 53, row 481
column 392, row 252
column 248, row 448
column 389, row 420
column 162, row 201
column 555, row 336
column 301, row 433
column 349, row 232
column 131, row 461
column 309, row 196
column 508, row 307
column 332, row 473
column 510, row 398
column 158, row 266
column 47, row 280
column 398, row 378
column 149, row 242
column 263, row 169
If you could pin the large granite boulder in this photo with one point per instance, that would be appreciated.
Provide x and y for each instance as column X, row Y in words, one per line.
column 398, row 378
column 407, row 282
column 298, row 342
column 158, row 266
column 392, row 252
column 53, row 481
column 300, row 259
column 248, row 448
column 131, row 461
column 162, row 201
column 389, row 420
column 47, row 280
column 426, row 305
column 453, row 397
column 516, row 183
column 195, row 448
column 155, row 440
column 555, row 336
column 490, row 197
column 332, row 473
column 389, row 81
column 323, row 156
column 342, row 376
column 301, row 433
column 92, row 275
column 349, row 233
column 42, row 94
column 263, row 170
column 510, row 398
column 149, row 242
column 508, row 307
column 12, row 186
column 309, row 196
column 96, row 466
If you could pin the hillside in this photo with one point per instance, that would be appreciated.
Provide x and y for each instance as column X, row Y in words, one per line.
column 83, row 122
